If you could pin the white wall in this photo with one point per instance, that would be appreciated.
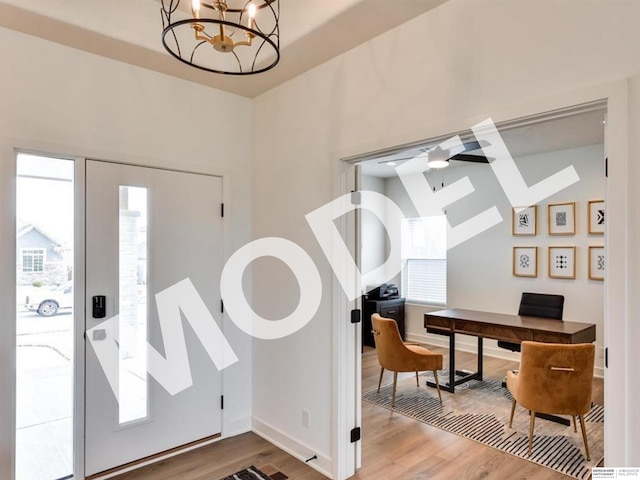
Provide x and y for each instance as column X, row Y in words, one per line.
column 444, row 69
column 62, row 101
column 479, row 271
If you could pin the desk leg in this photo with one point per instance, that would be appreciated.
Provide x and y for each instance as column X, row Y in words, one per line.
column 554, row 418
column 452, row 362
column 450, row 386
column 480, row 358
column 477, row 375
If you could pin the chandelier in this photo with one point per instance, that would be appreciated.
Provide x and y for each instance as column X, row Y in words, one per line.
column 233, row 37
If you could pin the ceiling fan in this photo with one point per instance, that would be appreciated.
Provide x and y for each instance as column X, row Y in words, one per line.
column 471, row 147
column 439, row 158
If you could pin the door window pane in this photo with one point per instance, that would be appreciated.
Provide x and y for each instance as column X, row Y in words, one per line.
column 133, row 303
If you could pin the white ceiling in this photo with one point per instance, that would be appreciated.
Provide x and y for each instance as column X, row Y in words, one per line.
column 572, row 131
column 311, row 32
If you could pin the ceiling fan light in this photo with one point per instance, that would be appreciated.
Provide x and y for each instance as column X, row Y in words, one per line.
column 438, row 163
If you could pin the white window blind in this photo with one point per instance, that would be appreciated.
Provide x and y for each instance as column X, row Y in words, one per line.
column 424, row 246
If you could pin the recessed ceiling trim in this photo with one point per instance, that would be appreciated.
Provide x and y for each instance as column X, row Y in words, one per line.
column 308, row 48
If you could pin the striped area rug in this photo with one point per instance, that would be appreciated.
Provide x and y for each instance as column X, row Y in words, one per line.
column 250, row 473
column 480, row 411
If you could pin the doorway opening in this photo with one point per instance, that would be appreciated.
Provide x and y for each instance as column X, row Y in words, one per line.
column 45, row 319
column 480, row 275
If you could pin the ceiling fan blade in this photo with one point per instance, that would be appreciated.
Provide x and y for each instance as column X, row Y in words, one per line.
column 471, row 146
column 465, row 157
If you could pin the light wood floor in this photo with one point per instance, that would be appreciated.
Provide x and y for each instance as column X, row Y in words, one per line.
column 397, row 447
column 393, row 446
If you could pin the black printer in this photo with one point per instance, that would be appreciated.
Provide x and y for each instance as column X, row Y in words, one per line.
column 385, row 291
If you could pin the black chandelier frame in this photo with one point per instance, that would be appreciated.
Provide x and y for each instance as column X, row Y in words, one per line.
column 270, row 38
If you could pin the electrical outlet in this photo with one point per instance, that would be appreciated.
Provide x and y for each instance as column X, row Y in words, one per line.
column 306, row 418
column 600, row 352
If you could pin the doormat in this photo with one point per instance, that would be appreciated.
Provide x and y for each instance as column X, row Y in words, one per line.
column 251, row 473
column 479, row 410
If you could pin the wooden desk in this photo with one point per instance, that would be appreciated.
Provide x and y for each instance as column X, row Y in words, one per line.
column 512, row 328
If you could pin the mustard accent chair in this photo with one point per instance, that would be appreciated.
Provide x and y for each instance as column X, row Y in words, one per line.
column 397, row 356
column 555, row 379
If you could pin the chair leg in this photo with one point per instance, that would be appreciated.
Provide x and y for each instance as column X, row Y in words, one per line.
column 584, row 437
column 395, row 380
column 532, row 422
column 435, row 375
column 575, row 427
column 380, row 381
column 417, row 381
column 513, row 409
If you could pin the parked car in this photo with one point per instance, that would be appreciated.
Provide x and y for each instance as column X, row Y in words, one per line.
column 51, row 301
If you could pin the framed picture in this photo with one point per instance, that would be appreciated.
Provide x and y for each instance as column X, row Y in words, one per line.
column 561, row 218
column 596, row 263
column 525, row 261
column 596, row 217
column 524, row 220
column 562, row 262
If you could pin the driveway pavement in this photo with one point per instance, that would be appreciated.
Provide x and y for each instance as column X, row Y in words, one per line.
column 44, row 437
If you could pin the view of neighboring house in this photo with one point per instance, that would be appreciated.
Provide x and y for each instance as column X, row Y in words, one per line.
column 41, row 258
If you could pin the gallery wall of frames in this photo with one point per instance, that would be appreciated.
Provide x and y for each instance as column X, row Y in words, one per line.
column 562, row 220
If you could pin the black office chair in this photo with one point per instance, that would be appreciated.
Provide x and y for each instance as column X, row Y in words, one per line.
column 537, row 305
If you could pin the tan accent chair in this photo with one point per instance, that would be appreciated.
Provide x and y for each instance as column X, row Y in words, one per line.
column 555, row 379
column 397, row 356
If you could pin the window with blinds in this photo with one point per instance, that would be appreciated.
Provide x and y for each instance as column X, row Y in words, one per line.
column 424, row 247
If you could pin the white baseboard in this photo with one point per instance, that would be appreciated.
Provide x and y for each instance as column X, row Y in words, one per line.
column 300, row 451
column 464, row 345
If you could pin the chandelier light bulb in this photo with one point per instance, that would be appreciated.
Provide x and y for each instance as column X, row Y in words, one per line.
column 252, row 14
column 195, row 5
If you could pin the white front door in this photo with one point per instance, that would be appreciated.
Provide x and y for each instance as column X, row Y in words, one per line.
column 147, row 230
